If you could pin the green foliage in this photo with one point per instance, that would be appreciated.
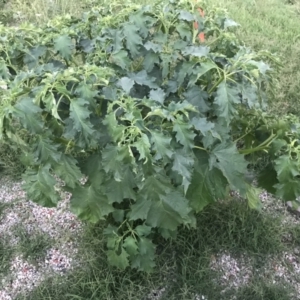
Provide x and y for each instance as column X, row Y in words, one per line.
column 150, row 117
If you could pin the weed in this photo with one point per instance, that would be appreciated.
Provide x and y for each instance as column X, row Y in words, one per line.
column 32, row 246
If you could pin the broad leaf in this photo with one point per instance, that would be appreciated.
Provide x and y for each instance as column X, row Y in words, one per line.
column 232, row 164
column 118, row 260
column 225, row 100
column 64, row 45
column 183, row 165
column 133, row 39
column 39, row 185
column 90, row 203
column 184, row 134
column 161, row 145
column 207, row 185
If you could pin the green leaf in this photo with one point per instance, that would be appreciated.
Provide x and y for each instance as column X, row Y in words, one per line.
column 229, row 23
column 161, row 145
column 140, row 209
column 143, row 146
column 252, row 195
column 78, row 124
column 145, row 261
column 117, row 38
column 85, row 91
column 158, row 95
column 225, row 100
column 202, row 125
column 31, row 58
column 39, row 185
column 142, row 21
column 156, row 185
column 121, row 59
column 130, row 244
column 185, row 69
column 118, row 215
column 198, row 51
column 118, row 260
column 169, row 211
column 186, row 16
column 29, row 115
column 287, row 169
column 46, row 151
column 87, row 45
column 126, row 84
column 232, row 164
column 150, row 60
column 198, row 98
column 114, row 128
column 184, row 134
column 249, row 95
column 153, row 46
column 117, row 191
column 68, row 170
column 90, row 203
column 207, row 185
column 64, row 45
column 112, row 159
column 288, row 191
column 267, row 179
column 142, row 78
column 184, row 31
column 143, row 230
column 204, row 68
column 133, row 39
column 263, row 67
column 183, row 165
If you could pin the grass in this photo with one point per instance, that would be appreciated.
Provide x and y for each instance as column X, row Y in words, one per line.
column 6, row 254
column 184, row 267
column 273, row 25
column 32, row 247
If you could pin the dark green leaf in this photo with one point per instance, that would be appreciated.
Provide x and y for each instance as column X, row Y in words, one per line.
column 130, row 244
column 89, row 203
column 126, row 84
column 169, row 211
column 118, row 260
column 202, row 125
column 152, row 46
column 198, row 51
column 133, row 39
column 39, row 185
column 198, row 98
column 288, row 190
column 142, row 78
column 287, row 169
column 150, row 60
column 121, row 59
column 64, row 45
column 183, row 165
column 226, row 98
column 184, row 134
column 232, row 164
column 68, row 170
column 161, row 145
column 267, row 179
column 158, row 95
column 207, row 185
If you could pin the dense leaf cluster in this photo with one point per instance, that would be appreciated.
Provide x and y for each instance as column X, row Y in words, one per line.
column 154, row 120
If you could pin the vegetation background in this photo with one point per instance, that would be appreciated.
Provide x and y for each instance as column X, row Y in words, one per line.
column 185, row 265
